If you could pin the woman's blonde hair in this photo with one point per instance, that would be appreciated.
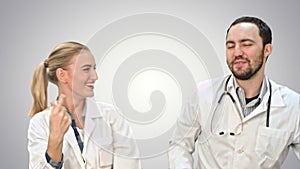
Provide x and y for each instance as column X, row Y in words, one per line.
column 60, row 57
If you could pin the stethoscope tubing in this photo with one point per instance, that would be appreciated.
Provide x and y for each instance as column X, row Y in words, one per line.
column 233, row 100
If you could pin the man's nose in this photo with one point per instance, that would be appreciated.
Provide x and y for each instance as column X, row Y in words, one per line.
column 238, row 51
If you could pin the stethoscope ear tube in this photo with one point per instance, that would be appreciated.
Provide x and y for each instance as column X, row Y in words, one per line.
column 226, row 91
column 269, row 106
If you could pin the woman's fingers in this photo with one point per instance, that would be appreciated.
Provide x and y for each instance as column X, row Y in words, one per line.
column 59, row 117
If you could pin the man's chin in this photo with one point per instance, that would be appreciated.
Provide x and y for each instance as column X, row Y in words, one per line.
column 242, row 76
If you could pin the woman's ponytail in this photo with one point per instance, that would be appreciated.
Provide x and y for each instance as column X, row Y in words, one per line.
column 39, row 89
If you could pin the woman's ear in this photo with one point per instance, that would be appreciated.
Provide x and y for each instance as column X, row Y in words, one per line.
column 61, row 75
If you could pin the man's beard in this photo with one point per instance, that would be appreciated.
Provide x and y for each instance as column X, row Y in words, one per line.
column 249, row 72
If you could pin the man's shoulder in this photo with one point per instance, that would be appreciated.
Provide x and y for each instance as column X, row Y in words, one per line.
column 212, row 83
column 289, row 95
column 286, row 91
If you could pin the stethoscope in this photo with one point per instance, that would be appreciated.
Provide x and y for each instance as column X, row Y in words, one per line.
column 226, row 92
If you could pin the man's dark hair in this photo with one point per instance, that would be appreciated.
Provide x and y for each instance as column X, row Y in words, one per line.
column 264, row 30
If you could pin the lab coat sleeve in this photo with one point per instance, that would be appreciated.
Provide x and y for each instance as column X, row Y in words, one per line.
column 296, row 144
column 182, row 143
column 37, row 142
column 126, row 154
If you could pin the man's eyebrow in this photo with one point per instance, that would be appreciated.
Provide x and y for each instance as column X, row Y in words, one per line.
column 229, row 41
column 243, row 40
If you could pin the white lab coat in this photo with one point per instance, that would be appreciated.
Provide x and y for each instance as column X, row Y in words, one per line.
column 108, row 141
column 255, row 147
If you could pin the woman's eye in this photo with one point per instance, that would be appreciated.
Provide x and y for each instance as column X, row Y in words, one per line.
column 86, row 69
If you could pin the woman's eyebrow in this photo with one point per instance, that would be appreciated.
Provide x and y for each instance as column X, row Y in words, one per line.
column 87, row 65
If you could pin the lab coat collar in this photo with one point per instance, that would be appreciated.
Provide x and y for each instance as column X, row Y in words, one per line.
column 92, row 109
column 92, row 112
column 276, row 99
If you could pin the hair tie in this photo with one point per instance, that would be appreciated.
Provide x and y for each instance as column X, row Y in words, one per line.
column 46, row 63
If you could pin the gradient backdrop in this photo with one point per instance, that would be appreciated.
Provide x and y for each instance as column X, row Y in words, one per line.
column 136, row 45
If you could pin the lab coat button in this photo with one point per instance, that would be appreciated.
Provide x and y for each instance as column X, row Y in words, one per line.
column 240, row 151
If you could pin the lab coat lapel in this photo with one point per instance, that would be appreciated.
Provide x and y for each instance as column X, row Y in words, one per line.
column 70, row 138
column 230, row 112
column 231, row 89
column 93, row 113
column 276, row 101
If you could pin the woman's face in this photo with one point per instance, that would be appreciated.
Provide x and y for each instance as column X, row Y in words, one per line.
column 83, row 75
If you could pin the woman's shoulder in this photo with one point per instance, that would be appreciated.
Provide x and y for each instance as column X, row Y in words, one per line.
column 41, row 117
column 107, row 110
column 39, row 122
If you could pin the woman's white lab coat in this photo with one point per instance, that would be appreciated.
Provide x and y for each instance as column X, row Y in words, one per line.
column 235, row 142
column 108, row 141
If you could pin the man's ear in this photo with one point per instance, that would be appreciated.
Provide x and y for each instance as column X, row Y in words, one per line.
column 61, row 75
column 268, row 50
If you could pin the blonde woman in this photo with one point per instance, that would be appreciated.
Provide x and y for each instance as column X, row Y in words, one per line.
column 75, row 131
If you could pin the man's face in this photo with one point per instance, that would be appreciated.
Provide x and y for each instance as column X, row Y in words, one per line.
column 244, row 51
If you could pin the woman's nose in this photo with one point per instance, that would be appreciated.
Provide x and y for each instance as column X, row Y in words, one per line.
column 94, row 75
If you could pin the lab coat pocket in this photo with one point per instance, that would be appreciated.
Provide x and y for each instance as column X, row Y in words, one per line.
column 215, row 150
column 105, row 156
column 270, row 144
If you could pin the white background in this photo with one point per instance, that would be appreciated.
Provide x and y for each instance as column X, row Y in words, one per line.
column 30, row 29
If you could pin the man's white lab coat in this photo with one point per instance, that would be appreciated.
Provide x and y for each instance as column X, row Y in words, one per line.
column 228, row 140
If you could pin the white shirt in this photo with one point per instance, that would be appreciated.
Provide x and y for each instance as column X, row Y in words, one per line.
column 108, row 141
column 228, row 140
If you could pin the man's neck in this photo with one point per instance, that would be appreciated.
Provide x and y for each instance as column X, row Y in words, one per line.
column 252, row 86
